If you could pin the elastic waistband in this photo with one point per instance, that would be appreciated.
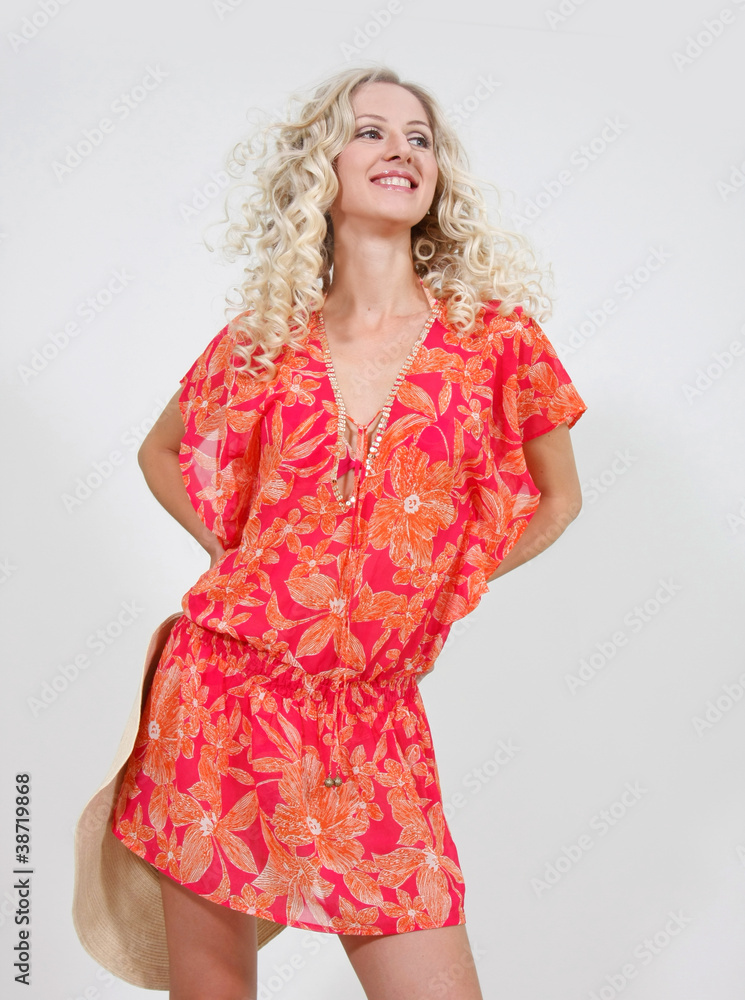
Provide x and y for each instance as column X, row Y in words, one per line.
column 287, row 678
column 332, row 692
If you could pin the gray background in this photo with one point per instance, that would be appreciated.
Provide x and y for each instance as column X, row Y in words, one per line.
column 665, row 516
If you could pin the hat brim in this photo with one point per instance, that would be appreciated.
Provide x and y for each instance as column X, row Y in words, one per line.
column 117, row 908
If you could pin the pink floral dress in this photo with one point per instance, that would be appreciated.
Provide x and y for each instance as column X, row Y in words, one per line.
column 284, row 763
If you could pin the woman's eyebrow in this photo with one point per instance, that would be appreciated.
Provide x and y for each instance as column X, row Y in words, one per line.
column 381, row 119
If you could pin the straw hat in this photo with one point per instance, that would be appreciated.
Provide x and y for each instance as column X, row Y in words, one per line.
column 117, row 907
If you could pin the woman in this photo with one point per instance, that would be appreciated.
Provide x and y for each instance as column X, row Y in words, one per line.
column 359, row 457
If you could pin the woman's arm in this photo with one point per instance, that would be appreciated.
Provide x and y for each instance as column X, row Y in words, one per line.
column 158, row 458
column 551, row 465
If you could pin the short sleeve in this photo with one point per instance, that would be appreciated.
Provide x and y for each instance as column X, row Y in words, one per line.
column 219, row 450
column 544, row 393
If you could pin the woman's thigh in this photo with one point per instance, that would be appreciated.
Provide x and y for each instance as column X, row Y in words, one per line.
column 211, row 948
column 416, row 965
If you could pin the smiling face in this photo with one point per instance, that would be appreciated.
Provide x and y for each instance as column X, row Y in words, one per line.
column 388, row 171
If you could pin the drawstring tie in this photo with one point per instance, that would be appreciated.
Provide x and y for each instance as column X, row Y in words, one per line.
column 331, row 779
column 357, row 462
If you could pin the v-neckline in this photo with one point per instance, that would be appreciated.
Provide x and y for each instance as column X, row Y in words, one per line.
column 380, row 419
column 407, row 362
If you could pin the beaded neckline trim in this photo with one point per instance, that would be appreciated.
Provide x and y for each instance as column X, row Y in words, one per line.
column 379, row 431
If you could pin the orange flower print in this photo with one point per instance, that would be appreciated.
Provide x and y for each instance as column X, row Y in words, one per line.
column 531, row 334
column 362, row 886
column 564, row 404
column 310, row 813
column 213, row 482
column 470, row 375
column 207, row 830
column 410, row 914
column 542, row 377
column 408, row 815
column 272, row 487
column 396, row 776
column 433, row 578
column 353, row 921
column 170, row 854
column 310, row 560
column 321, row 593
column 323, row 510
column 298, row 879
column 259, row 549
column 158, row 806
column 370, row 809
column 404, row 616
column 159, row 728
column 430, row 865
column 259, row 694
column 305, row 643
column 497, row 509
column 496, row 329
column 362, row 769
column 409, row 719
column 528, row 405
column 474, row 422
column 246, row 901
column 249, row 901
column 509, row 405
column 287, row 531
column 219, row 744
column 204, row 403
column 193, row 710
column 407, row 522
column 233, row 588
column 297, row 388
column 134, row 833
column 397, row 613
column 405, row 572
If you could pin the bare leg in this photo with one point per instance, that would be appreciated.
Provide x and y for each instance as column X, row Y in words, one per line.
column 416, row 965
column 211, row 948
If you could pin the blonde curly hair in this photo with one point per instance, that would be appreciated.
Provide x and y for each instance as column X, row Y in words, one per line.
column 285, row 229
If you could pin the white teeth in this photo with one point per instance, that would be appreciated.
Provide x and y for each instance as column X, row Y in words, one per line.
column 398, row 181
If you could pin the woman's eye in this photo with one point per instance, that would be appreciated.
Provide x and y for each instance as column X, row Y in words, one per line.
column 374, row 131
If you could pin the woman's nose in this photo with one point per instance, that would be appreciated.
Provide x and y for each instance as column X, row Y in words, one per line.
column 398, row 145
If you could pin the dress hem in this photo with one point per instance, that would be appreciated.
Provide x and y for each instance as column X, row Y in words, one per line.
column 300, row 925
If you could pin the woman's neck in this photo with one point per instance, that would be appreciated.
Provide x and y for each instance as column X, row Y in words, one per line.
column 374, row 283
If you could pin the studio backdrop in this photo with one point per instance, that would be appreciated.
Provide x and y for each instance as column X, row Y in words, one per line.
column 588, row 717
